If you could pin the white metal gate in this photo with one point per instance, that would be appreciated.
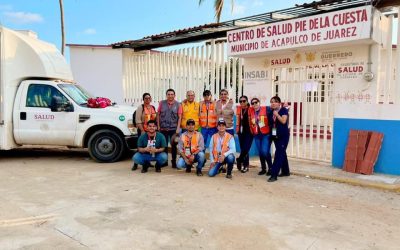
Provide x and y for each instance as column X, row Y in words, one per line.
column 309, row 92
column 196, row 68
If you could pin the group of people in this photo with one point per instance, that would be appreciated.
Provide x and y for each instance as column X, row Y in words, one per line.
column 192, row 127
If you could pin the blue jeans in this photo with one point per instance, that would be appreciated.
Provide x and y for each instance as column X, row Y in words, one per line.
column 263, row 145
column 229, row 160
column 207, row 133
column 200, row 158
column 145, row 158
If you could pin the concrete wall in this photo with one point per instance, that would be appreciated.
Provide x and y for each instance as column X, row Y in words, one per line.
column 384, row 118
column 98, row 70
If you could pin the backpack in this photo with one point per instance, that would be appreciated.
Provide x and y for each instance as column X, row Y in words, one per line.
column 134, row 115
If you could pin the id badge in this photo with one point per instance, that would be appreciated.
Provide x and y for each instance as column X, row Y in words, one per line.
column 187, row 151
column 261, row 124
column 273, row 132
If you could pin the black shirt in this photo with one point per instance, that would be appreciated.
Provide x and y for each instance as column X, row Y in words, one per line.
column 244, row 121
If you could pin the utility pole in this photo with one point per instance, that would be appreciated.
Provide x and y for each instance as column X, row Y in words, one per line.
column 62, row 27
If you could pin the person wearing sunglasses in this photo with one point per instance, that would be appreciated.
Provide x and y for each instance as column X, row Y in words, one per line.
column 225, row 110
column 259, row 127
column 280, row 136
column 244, row 133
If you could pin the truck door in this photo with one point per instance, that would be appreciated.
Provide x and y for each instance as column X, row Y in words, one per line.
column 37, row 124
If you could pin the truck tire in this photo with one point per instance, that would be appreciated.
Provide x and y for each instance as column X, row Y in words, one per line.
column 106, row 146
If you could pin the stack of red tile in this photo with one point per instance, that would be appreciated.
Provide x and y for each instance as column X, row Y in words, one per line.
column 362, row 151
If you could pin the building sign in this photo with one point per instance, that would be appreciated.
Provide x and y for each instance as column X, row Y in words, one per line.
column 258, row 88
column 339, row 26
column 255, row 75
column 331, row 56
column 350, row 70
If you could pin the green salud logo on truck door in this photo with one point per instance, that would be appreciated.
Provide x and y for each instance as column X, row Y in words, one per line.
column 122, row 118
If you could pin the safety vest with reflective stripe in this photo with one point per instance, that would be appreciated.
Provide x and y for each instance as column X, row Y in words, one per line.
column 192, row 143
column 208, row 117
column 262, row 118
column 224, row 146
column 147, row 115
column 190, row 111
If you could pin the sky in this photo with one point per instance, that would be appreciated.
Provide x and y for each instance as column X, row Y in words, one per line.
column 103, row 22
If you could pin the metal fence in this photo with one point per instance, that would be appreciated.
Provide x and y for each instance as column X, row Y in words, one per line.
column 308, row 89
column 197, row 68
column 308, row 92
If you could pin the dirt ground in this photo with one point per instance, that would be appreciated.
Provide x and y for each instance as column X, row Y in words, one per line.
column 64, row 200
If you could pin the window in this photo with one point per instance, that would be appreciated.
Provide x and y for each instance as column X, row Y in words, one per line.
column 40, row 95
column 77, row 93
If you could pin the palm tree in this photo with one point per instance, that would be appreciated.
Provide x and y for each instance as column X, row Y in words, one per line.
column 218, row 5
column 62, row 27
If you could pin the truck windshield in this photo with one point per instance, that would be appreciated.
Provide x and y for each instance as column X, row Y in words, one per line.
column 76, row 92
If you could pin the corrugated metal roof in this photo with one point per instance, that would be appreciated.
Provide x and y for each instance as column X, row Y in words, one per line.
column 88, row 45
column 219, row 30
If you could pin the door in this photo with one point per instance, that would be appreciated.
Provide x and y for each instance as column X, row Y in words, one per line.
column 37, row 124
column 308, row 91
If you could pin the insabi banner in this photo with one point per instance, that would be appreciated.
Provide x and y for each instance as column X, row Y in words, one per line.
column 339, row 26
column 258, row 88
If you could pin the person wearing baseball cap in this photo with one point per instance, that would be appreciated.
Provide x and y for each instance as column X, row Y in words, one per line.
column 222, row 150
column 190, row 148
column 151, row 147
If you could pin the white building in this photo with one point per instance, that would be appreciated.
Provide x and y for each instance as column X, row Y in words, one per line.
column 332, row 61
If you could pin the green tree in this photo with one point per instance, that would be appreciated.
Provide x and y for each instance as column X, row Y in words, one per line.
column 218, row 5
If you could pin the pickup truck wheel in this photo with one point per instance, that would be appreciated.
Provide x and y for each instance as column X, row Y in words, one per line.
column 106, row 146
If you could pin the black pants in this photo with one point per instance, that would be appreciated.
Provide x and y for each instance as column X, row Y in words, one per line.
column 168, row 134
column 245, row 141
column 280, row 160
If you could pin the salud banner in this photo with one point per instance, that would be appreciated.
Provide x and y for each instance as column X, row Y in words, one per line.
column 339, row 26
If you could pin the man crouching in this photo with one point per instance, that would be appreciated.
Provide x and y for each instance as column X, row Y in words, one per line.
column 190, row 147
column 151, row 147
column 222, row 149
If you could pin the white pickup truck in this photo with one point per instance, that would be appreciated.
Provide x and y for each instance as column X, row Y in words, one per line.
column 41, row 105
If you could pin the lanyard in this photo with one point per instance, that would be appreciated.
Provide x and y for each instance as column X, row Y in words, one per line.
column 189, row 140
column 151, row 141
column 274, row 118
column 207, row 106
column 256, row 114
column 243, row 112
column 151, row 110
column 220, row 140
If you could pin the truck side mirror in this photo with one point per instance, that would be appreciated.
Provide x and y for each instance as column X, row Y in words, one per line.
column 68, row 107
column 57, row 105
